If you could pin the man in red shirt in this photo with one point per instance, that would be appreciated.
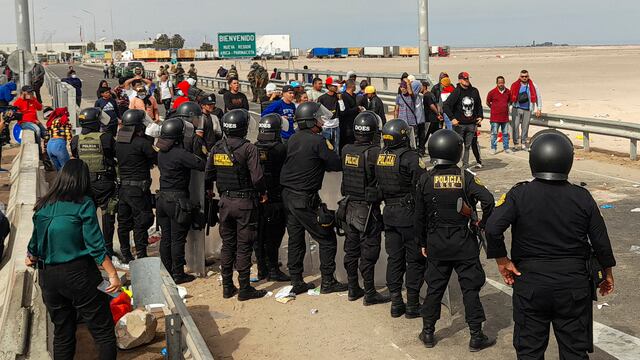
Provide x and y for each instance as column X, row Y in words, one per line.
column 29, row 106
column 498, row 101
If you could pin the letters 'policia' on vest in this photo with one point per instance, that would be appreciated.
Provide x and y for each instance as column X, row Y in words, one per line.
column 232, row 175
column 90, row 151
column 444, row 190
column 354, row 171
column 393, row 185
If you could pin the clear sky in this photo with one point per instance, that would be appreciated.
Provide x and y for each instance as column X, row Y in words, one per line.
column 337, row 23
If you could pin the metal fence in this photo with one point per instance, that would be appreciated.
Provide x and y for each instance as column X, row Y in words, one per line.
column 62, row 95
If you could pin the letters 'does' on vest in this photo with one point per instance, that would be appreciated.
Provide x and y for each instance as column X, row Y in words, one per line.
column 221, row 160
column 445, row 182
column 351, row 160
column 386, row 160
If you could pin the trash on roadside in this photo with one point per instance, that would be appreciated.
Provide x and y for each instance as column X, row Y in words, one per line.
column 600, row 306
column 635, row 210
column 635, row 249
column 210, row 273
column 182, row 291
column 269, row 294
column 314, row 311
column 314, row 292
column 284, row 295
column 579, row 137
column 607, row 206
column 557, row 104
column 579, row 158
column 636, row 185
column 119, row 265
column 135, row 328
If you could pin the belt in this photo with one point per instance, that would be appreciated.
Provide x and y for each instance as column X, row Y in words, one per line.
column 240, row 194
column 173, row 195
column 395, row 201
column 137, row 183
column 100, row 176
column 300, row 193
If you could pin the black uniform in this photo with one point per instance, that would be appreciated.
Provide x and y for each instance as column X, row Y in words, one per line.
column 175, row 173
column 272, row 222
column 363, row 232
column 309, row 155
column 397, row 172
column 554, row 227
column 449, row 241
column 103, row 185
column 239, row 178
column 135, row 210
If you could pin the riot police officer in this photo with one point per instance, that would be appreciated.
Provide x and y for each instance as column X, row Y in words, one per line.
column 97, row 150
column 174, row 210
column 448, row 237
column 397, row 171
column 136, row 157
column 234, row 166
column 194, row 131
column 558, row 238
column 272, row 222
column 309, row 155
column 363, row 220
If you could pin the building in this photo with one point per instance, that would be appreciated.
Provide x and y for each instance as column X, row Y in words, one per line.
column 68, row 50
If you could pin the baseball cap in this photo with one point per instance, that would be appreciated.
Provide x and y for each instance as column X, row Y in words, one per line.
column 463, row 75
column 331, row 82
column 27, row 88
column 370, row 89
column 295, row 84
column 271, row 87
column 287, row 88
column 211, row 99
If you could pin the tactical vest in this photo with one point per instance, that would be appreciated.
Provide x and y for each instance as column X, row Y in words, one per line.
column 232, row 174
column 271, row 174
column 392, row 183
column 354, row 173
column 90, row 151
column 441, row 195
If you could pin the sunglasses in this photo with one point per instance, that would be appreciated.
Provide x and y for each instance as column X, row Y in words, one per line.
column 524, row 76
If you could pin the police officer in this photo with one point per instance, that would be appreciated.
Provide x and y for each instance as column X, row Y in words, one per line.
column 309, row 156
column 397, row 171
column 555, row 227
column 234, row 166
column 194, row 130
column 251, row 77
column 212, row 132
column 175, row 164
column 97, row 150
column 136, row 157
column 363, row 229
column 272, row 222
column 447, row 240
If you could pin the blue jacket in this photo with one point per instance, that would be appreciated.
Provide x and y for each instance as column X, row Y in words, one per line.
column 283, row 109
column 5, row 91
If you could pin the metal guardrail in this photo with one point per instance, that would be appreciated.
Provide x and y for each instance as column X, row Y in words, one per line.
column 62, row 95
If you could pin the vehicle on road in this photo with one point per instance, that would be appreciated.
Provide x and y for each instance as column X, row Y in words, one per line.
column 125, row 68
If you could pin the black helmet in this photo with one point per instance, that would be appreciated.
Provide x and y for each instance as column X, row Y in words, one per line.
column 307, row 114
column 188, row 110
column 395, row 133
column 133, row 117
column 269, row 127
column 551, row 155
column 365, row 125
column 172, row 129
column 90, row 115
column 445, row 147
column 235, row 123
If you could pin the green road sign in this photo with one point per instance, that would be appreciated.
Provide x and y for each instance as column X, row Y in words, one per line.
column 236, row 45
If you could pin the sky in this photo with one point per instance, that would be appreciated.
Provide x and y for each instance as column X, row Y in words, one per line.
column 340, row 23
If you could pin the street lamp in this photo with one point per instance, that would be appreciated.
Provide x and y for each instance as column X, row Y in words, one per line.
column 94, row 23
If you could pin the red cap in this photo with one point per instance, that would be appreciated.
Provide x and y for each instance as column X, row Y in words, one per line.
column 329, row 81
column 463, row 75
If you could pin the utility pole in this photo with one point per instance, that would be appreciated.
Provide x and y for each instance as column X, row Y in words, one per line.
column 94, row 24
column 423, row 31
column 23, row 38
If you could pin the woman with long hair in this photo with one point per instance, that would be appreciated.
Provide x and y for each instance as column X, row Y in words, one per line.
column 67, row 246
column 103, row 84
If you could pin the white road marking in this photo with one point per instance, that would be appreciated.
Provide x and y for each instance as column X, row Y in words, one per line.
column 402, row 351
column 614, row 342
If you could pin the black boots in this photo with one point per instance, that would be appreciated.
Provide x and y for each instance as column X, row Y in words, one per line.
column 371, row 296
column 127, row 256
column 427, row 335
column 413, row 305
column 228, row 289
column 330, row 285
column 479, row 340
column 299, row 286
column 277, row 275
column 397, row 305
column 248, row 292
column 183, row 278
column 355, row 291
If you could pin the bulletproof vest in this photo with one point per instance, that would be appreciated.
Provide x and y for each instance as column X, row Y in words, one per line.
column 232, row 175
column 441, row 195
column 271, row 173
column 90, row 151
column 392, row 183
column 354, row 175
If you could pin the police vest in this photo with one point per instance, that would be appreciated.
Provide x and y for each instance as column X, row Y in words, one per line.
column 354, row 170
column 441, row 194
column 90, row 151
column 271, row 173
column 232, row 174
column 392, row 183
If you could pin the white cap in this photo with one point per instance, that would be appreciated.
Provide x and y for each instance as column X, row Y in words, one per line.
column 271, row 87
column 411, row 78
column 350, row 73
column 191, row 81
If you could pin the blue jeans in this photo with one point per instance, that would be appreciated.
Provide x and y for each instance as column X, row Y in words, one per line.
column 57, row 150
column 333, row 135
column 447, row 122
column 495, row 129
column 38, row 129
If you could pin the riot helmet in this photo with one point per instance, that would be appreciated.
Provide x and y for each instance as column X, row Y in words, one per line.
column 551, row 155
column 172, row 129
column 189, row 110
column 133, row 117
column 445, row 147
column 269, row 127
column 307, row 115
column 235, row 123
column 89, row 116
column 365, row 125
column 395, row 133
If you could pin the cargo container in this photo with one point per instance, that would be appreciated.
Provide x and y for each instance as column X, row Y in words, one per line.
column 205, row 55
column 392, row 51
column 321, row 52
column 409, row 51
column 186, row 54
column 374, row 51
column 355, row 51
column 295, row 53
column 163, row 54
column 341, row 52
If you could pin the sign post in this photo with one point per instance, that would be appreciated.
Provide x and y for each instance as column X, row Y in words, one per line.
column 237, row 45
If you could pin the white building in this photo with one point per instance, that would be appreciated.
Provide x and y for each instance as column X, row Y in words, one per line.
column 74, row 48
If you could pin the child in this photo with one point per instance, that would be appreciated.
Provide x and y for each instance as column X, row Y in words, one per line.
column 60, row 131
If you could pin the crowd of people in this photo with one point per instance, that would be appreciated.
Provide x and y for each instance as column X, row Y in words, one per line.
column 256, row 192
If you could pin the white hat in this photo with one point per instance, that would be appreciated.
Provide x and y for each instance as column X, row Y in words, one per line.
column 411, row 78
column 271, row 87
column 350, row 73
column 191, row 81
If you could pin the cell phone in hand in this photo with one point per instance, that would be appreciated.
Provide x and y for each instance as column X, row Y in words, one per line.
column 103, row 287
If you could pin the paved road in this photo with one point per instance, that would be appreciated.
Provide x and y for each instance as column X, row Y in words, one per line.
column 609, row 183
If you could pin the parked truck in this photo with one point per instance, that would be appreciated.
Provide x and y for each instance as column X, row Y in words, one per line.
column 321, row 53
column 374, row 51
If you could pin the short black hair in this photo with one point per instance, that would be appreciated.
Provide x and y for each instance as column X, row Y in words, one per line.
column 499, row 77
column 316, row 79
column 231, row 79
column 364, row 84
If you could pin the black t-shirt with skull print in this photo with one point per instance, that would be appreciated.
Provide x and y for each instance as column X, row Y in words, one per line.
column 465, row 105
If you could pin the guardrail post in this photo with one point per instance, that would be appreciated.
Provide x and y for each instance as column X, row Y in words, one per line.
column 369, row 80
column 585, row 141
column 173, row 325
column 286, row 76
column 633, row 149
column 385, row 83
